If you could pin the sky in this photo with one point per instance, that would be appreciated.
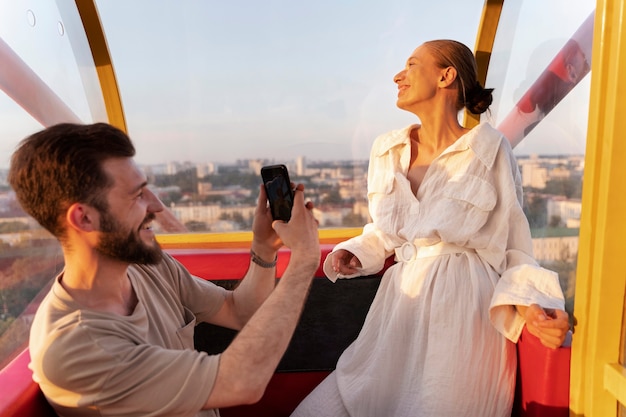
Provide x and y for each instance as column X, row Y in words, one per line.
column 271, row 79
column 216, row 81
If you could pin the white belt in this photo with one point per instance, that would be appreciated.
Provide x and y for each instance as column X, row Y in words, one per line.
column 409, row 251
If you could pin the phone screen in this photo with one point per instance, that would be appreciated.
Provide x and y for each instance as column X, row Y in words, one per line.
column 279, row 192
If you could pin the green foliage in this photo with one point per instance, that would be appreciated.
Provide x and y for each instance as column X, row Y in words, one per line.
column 353, row 220
column 13, row 227
column 187, row 180
column 536, row 211
column 5, row 323
column 555, row 221
column 569, row 187
column 332, row 197
column 228, row 179
column 171, row 197
column 196, row 226
column 24, row 271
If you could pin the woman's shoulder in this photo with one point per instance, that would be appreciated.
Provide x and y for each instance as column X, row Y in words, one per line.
column 487, row 143
column 486, row 132
column 391, row 139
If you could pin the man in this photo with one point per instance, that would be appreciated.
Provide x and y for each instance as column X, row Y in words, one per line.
column 115, row 334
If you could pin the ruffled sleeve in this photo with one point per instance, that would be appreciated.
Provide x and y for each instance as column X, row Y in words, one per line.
column 523, row 285
column 367, row 247
column 522, row 281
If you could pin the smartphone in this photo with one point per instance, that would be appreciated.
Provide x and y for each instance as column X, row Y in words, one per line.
column 278, row 190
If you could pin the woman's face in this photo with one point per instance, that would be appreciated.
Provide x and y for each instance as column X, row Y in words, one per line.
column 417, row 82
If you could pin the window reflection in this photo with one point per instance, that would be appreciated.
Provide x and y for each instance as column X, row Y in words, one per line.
column 44, row 79
column 306, row 85
column 191, row 84
column 543, row 108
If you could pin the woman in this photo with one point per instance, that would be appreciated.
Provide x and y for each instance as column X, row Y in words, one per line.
column 439, row 337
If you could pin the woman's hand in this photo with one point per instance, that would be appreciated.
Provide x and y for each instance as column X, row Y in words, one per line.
column 344, row 262
column 549, row 325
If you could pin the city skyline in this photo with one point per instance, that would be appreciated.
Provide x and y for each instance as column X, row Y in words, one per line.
column 215, row 82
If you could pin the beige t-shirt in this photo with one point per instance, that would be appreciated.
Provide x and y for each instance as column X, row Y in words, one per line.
column 90, row 363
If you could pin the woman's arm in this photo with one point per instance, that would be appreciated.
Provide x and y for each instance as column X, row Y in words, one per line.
column 549, row 325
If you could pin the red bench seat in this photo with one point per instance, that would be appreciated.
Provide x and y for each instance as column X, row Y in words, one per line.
column 543, row 374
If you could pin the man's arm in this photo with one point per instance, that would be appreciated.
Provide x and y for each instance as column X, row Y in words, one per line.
column 247, row 365
column 258, row 282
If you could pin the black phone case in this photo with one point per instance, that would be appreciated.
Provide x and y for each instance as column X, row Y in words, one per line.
column 278, row 189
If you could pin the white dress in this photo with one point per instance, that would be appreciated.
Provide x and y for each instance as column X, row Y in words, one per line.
column 438, row 340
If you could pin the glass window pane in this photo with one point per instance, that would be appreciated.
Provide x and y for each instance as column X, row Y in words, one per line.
column 214, row 90
column 540, row 72
column 46, row 77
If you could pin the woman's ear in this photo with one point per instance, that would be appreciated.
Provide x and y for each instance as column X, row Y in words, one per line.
column 447, row 77
column 81, row 217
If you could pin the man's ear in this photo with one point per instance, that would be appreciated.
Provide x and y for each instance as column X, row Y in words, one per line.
column 81, row 217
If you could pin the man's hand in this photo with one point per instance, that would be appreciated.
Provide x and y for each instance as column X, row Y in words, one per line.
column 248, row 363
column 300, row 234
column 265, row 241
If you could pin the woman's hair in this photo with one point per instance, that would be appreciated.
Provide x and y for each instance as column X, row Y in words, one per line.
column 62, row 165
column 472, row 94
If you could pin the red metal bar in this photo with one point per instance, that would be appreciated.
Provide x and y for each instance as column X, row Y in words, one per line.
column 28, row 90
column 566, row 70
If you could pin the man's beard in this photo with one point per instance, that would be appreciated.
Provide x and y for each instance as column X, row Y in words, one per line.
column 116, row 244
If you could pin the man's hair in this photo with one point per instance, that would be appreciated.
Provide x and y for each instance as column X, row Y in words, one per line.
column 62, row 165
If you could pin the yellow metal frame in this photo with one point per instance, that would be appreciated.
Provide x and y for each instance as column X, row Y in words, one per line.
column 484, row 47
column 102, row 59
column 241, row 239
column 597, row 378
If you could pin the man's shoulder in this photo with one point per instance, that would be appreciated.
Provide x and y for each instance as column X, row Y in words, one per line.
column 166, row 269
column 66, row 325
column 59, row 336
column 166, row 262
